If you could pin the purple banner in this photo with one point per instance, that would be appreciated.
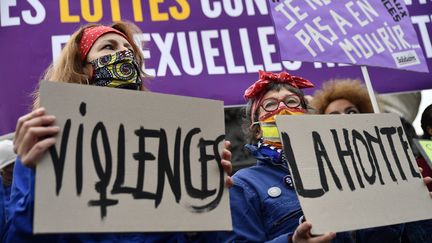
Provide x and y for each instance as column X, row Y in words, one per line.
column 208, row 48
column 363, row 32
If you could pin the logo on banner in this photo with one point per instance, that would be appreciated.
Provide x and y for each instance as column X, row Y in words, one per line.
column 406, row 58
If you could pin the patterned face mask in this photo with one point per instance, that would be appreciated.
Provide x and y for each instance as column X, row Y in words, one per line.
column 118, row 70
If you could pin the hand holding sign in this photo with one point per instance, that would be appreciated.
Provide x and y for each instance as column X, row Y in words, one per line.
column 105, row 162
column 226, row 163
column 34, row 134
column 303, row 234
column 115, row 163
column 365, row 165
column 427, row 180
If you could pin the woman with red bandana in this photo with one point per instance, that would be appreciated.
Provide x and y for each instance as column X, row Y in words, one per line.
column 264, row 204
column 95, row 55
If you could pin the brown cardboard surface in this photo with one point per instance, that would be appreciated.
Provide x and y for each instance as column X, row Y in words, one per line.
column 356, row 187
column 149, row 163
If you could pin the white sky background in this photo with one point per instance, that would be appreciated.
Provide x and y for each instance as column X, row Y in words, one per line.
column 425, row 101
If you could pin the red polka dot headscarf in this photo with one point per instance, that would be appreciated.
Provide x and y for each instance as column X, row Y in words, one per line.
column 257, row 90
column 91, row 34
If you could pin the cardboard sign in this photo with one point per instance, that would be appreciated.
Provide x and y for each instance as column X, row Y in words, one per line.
column 362, row 32
column 131, row 161
column 353, row 172
column 425, row 148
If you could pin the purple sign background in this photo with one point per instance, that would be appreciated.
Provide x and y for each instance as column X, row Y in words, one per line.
column 364, row 32
column 222, row 47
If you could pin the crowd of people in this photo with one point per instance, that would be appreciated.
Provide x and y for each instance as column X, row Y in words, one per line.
column 264, row 203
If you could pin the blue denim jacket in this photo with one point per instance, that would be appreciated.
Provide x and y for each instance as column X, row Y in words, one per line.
column 259, row 217
column 3, row 201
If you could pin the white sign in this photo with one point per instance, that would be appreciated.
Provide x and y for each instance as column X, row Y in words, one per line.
column 130, row 161
column 354, row 171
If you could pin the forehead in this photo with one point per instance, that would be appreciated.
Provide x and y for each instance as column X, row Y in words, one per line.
column 339, row 105
column 277, row 93
column 111, row 37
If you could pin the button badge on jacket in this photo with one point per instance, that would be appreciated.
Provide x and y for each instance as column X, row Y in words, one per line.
column 288, row 181
column 274, row 191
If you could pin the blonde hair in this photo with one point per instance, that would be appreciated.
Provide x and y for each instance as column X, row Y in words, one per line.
column 69, row 68
column 352, row 90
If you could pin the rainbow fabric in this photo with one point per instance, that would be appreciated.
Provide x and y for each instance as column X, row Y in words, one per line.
column 118, row 70
column 270, row 133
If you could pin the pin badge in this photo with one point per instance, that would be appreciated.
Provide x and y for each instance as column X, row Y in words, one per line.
column 274, row 191
column 288, row 181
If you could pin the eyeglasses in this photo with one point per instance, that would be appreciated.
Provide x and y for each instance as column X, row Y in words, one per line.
column 272, row 104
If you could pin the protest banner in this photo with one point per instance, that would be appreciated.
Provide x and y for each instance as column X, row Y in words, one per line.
column 353, row 172
column 130, row 161
column 352, row 32
column 425, row 148
column 373, row 33
column 208, row 49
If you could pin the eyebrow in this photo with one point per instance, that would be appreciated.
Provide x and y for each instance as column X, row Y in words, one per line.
column 286, row 96
column 115, row 42
column 351, row 107
column 128, row 45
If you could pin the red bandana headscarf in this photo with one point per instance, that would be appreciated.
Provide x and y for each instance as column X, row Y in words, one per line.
column 91, row 34
column 256, row 90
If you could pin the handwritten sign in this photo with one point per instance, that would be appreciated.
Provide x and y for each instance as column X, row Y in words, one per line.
column 353, row 172
column 130, row 161
column 363, row 32
column 425, row 148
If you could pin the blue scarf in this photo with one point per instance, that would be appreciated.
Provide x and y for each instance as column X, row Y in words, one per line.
column 275, row 154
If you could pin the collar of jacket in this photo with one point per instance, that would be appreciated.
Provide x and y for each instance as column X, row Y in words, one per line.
column 262, row 159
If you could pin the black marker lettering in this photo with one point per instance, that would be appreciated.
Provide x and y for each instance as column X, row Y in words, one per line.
column 343, row 153
column 383, row 152
column 104, row 175
column 191, row 190
column 213, row 204
column 406, row 146
column 79, row 152
column 289, row 153
column 59, row 161
column 142, row 156
column 389, row 131
column 371, row 139
column 164, row 167
column 320, row 152
column 358, row 137
column 119, row 181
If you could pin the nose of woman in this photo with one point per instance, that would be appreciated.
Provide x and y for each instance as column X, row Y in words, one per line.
column 282, row 104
